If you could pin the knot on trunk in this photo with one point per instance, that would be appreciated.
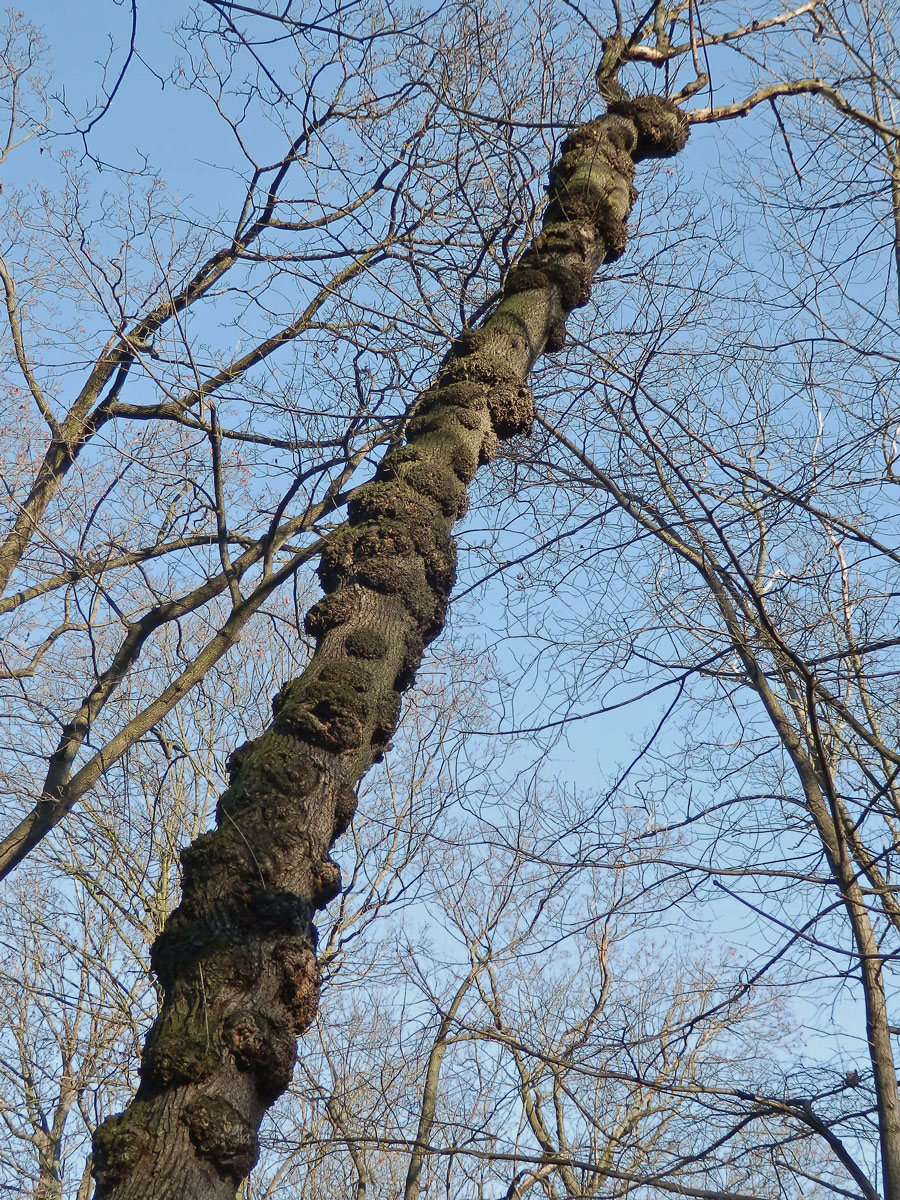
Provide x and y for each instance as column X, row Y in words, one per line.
column 299, row 984
column 119, row 1144
column 662, row 128
column 179, row 1048
column 219, row 1133
column 326, row 882
column 263, row 1047
column 365, row 642
column 331, row 710
column 511, row 409
column 344, row 810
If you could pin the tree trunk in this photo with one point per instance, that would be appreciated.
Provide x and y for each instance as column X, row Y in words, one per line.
column 236, row 959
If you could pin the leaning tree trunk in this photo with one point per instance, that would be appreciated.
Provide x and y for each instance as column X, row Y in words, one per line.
column 236, row 959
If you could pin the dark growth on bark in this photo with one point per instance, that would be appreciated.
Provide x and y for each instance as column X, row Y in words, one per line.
column 236, row 960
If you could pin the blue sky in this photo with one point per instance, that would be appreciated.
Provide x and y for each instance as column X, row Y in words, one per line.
column 190, row 149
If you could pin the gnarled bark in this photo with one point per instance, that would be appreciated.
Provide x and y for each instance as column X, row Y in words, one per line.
column 236, row 959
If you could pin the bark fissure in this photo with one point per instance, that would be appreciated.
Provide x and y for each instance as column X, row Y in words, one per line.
column 236, row 960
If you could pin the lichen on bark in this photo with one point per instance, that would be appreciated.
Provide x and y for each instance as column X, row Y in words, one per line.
column 236, row 959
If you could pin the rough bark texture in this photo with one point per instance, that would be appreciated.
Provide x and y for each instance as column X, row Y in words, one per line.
column 236, row 959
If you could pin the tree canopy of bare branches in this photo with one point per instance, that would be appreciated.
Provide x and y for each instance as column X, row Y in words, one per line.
column 444, row 309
